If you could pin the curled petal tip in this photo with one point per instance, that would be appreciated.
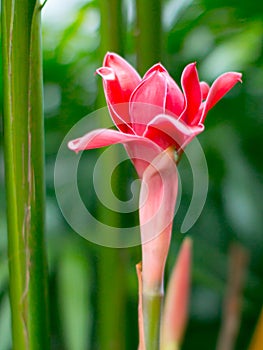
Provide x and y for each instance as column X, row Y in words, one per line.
column 106, row 73
column 219, row 89
column 234, row 75
column 240, row 77
column 158, row 67
column 193, row 64
column 73, row 145
column 189, row 68
column 109, row 56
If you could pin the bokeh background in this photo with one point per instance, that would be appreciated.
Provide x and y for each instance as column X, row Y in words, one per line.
column 93, row 289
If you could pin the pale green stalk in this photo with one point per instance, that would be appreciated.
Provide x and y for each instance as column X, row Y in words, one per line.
column 24, row 170
column 152, row 307
column 148, row 33
column 111, row 262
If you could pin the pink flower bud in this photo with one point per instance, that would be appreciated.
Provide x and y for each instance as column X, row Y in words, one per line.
column 176, row 303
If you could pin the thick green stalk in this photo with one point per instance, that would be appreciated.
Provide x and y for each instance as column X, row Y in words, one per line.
column 23, row 145
column 111, row 26
column 111, row 264
column 148, row 33
column 152, row 307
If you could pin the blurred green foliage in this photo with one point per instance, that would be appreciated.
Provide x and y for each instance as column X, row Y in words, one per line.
column 221, row 36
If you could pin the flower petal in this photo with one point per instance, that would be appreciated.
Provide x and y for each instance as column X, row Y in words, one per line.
column 156, row 67
column 148, row 100
column 141, row 150
column 204, row 89
column 167, row 131
column 99, row 138
column 175, row 99
column 126, row 74
column 157, row 202
column 192, row 92
column 119, row 81
column 219, row 88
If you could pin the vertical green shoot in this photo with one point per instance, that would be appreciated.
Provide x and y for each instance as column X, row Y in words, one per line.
column 111, row 325
column 24, row 170
column 148, row 33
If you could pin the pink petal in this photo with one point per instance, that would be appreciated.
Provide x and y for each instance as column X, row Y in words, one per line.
column 142, row 153
column 126, row 74
column 148, row 100
column 99, row 138
column 141, row 150
column 167, row 131
column 157, row 203
column 157, row 67
column 174, row 100
column 119, row 111
column 204, row 89
column 119, row 81
column 177, row 299
column 192, row 92
column 220, row 87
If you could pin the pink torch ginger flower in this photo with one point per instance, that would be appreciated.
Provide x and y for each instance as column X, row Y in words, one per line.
column 154, row 118
column 152, row 113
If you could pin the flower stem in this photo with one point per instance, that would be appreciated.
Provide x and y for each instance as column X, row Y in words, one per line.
column 24, row 172
column 152, row 307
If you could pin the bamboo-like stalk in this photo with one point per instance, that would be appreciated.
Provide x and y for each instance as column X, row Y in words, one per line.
column 24, row 170
column 148, row 33
column 111, row 26
column 111, row 262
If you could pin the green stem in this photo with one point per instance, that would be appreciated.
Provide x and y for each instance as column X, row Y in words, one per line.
column 152, row 308
column 112, row 291
column 149, row 33
column 111, row 263
column 111, row 27
column 24, row 170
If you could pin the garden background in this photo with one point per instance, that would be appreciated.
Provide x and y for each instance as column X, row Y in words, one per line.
column 93, row 289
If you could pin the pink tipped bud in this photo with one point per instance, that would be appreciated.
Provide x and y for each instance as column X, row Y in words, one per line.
column 176, row 303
